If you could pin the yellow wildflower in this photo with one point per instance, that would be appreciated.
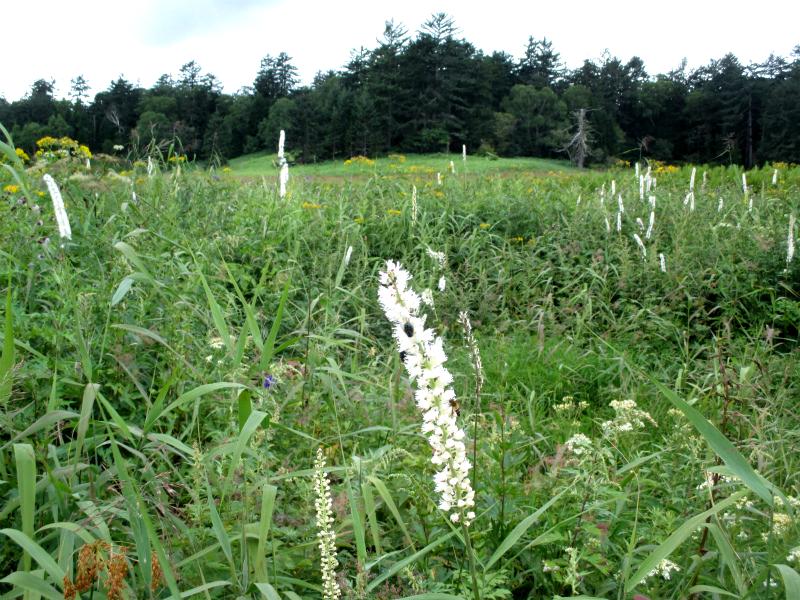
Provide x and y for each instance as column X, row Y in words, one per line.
column 394, row 211
column 359, row 220
column 23, row 156
column 11, row 188
column 311, row 205
column 484, row 225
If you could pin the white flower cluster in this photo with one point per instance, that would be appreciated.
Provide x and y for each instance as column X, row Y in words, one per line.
column 424, row 362
column 629, row 417
column 578, row 444
column 62, row 221
column 794, row 555
column 568, row 404
column 665, row 569
column 325, row 534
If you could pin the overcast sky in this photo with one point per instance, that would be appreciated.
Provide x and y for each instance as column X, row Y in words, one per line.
column 102, row 39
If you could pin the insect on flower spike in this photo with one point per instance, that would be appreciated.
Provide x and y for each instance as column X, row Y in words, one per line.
column 424, row 359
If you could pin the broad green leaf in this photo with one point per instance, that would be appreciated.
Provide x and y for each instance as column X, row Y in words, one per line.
column 399, row 566
column 26, row 489
column 203, row 588
column 791, row 581
column 35, row 551
column 268, row 591
column 33, row 583
column 122, row 289
column 711, row 589
column 265, row 522
column 719, row 444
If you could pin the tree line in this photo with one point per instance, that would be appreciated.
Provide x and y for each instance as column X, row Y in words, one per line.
column 434, row 91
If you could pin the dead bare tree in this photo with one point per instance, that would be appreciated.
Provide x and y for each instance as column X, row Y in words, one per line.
column 578, row 146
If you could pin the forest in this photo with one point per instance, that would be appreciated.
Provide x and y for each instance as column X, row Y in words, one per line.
column 433, row 91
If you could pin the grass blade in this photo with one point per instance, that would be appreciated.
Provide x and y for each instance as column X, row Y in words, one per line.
column 518, row 531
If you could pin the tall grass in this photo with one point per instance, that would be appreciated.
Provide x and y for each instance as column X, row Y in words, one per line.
column 170, row 373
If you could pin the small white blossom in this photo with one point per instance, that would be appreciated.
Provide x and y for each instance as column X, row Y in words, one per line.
column 578, row 444
column 442, row 283
column 665, row 569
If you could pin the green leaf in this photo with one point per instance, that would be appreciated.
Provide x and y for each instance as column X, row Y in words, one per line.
column 253, row 421
column 87, row 405
column 202, row 588
column 372, row 518
column 432, row 596
column 269, row 344
column 7, row 356
column 518, row 531
column 268, row 591
column 216, row 314
column 711, row 589
column 33, row 583
column 677, row 537
column 219, row 529
column 122, row 289
column 719, row 444
column 26, row 489
column 358, row 525
column 46, row 421
column 245, row 407
column 265, row 522
column 728, row 555
column 383, row 491
column 399, row 566
column 187, row 397
column 791, row 581
column 35, row 551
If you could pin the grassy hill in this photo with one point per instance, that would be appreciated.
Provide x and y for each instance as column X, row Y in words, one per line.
column 427, row 165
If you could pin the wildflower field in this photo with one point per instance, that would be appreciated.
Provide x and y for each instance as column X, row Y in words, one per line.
column 561, row 383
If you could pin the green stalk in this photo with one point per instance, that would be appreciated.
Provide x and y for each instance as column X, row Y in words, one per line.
column 473, row 571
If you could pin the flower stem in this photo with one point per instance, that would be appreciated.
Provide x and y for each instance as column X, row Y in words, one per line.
column 471, row 554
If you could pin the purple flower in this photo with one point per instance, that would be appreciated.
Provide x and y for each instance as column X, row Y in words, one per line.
column 269, row 380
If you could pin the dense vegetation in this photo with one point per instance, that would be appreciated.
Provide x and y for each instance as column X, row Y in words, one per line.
column 433, row 92
column 169, row 375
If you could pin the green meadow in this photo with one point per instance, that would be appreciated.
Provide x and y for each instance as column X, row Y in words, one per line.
column 171, row 374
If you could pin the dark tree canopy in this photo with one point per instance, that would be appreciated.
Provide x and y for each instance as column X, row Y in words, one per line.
column 433, row 91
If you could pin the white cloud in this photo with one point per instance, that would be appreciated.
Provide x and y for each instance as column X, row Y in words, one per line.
column 103, row 39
